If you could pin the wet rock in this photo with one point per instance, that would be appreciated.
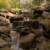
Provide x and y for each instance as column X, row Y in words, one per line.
column 4, row 29
column 2, row 43
column 4, row 21
column 26, row 41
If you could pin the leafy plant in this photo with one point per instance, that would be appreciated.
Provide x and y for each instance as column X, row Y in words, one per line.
column 4, row 4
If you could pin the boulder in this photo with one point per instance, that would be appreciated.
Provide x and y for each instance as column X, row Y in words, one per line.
column 2, row 42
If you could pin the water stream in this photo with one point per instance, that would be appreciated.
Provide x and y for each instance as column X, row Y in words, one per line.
column 15, row 41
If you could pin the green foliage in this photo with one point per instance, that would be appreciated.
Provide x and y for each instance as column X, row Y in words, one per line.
column 9, row 3
column 3, row 4
column 15, row 3
column 36, row 2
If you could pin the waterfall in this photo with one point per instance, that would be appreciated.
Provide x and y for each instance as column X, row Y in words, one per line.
column 15, row 41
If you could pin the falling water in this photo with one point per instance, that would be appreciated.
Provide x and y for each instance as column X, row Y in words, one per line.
column 15, row 41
